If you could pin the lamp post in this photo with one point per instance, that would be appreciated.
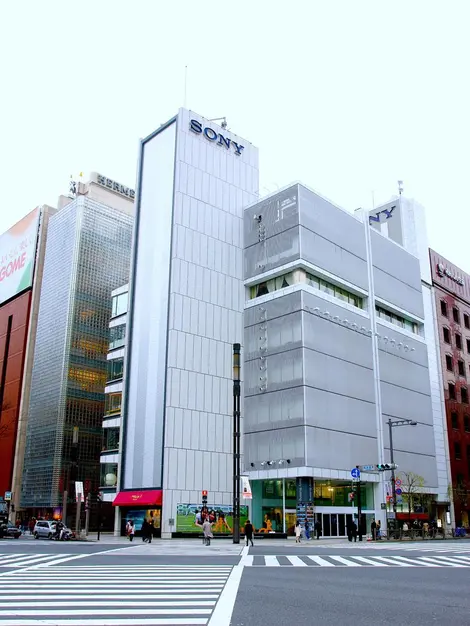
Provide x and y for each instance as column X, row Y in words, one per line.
column 391, row 425
column 236, row 442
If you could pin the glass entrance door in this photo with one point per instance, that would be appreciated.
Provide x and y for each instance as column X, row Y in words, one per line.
column 290, row 517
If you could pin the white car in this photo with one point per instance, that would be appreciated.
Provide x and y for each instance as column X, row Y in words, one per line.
column 44, row 528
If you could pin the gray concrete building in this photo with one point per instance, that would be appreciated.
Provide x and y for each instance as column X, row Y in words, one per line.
column 334, row 346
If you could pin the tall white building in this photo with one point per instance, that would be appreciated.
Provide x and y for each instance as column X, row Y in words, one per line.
column 185, row 312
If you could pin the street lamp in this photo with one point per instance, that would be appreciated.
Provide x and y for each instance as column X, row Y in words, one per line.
column 236, row 442
column 393, row 424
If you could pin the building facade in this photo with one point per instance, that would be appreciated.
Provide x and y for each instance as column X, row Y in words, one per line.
column 87, row 256
column 334, row 347
column 452, row 303
column 185, row 312
column 21, row 262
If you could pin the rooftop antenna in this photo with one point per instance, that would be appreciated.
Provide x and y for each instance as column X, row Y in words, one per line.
column 222, row 120
column 400, row 187
column 185, row 83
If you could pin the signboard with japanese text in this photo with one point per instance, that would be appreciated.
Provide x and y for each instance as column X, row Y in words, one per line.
column 17, row 256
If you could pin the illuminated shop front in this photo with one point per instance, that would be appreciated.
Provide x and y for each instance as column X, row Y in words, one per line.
column 275, row 505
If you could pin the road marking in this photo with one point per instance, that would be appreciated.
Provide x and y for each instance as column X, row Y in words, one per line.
column 392, row 560
column 319, row 561
column 441, row 560
column 340, row 559
column 144, row 621
column 224, row 608
column 247, row 561
column 296, row 562
column 271, row 561
column 413, row 561
column 245, row 551
column 363, row 559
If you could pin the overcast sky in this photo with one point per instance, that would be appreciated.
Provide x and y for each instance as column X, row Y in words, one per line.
column 346, row 96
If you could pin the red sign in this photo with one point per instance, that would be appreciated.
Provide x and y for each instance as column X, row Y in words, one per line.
column 204, row 494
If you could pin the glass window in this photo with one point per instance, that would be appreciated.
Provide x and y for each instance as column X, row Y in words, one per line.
column 334, row 290
column 110, row 439
column 313, row 281
column 446, row 335
column 449, row 364
column 458, row 341
column 466, row 423
column 451, row 391
column 262, row 290
column 119, row 305
column 464, row 394
column 444, row 308
column 457, row 452
column 108, row 475
column 327, row 287
column 466, row 320
column 454, row 418
column 461, row 368
column 455, row 313
column 115, row 368
column 113, row 403
column 117, row 336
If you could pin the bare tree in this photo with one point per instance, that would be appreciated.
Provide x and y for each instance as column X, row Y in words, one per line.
column 412, row 487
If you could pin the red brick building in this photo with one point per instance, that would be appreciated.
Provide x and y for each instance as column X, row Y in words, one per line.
column 14, row 324
column 452, row 293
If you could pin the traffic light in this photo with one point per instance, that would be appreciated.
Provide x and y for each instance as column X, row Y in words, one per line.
column 204, row 498
column 384, row 467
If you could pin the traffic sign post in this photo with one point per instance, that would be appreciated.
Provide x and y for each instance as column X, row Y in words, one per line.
column 355, row 472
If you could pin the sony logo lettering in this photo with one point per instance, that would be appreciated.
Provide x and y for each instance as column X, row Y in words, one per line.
column 211, row 135
column 386, row 212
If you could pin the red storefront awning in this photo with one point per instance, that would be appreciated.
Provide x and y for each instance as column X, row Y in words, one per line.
column 150, row 497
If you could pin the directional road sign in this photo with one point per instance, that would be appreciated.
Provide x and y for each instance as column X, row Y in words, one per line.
column 355, row 472
column 398, row 492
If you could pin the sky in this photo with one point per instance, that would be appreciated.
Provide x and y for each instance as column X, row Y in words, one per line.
column 347, row 96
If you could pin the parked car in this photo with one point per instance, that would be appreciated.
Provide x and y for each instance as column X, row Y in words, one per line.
column 12, row 531
column 44, row 528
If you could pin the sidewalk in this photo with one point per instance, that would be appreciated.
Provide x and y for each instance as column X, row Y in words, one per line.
column 109, row 538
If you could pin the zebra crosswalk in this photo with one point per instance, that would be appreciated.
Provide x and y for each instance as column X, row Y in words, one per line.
column 144, row 595
column 13, row 560
column 434, row 546
column 335, row 560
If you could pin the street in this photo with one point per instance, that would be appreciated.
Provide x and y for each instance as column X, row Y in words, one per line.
column 118, row 583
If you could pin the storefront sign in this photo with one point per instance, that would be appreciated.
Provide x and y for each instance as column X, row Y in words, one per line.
column 445, row 271
column 115, row 186
column 211, row 135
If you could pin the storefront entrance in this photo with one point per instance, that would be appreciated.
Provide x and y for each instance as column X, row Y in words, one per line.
column 153, row 516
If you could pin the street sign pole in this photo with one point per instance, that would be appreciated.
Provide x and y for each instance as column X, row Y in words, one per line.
column 359, row 510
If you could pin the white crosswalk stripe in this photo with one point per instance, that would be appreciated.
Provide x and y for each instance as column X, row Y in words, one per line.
column 334, row 560
column 426, row 546
column 187, row 547
column 137, row 595
column 25, row 560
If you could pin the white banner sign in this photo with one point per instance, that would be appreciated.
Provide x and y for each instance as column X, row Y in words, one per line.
column 79, row 491
column 246, row 487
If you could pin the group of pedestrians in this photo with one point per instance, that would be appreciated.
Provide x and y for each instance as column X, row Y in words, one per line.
column 146, row 530
column 306, row 529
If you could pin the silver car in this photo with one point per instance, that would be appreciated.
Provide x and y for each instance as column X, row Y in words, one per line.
column 44, row 528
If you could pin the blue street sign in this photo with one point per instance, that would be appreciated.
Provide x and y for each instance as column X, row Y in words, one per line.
column 355, row 473
column 398, row 492
column 366, row 468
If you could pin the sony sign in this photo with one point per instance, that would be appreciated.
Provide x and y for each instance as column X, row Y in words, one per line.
column 114, row 186
column 387, row 212
column 211, row 135
column 445, row 271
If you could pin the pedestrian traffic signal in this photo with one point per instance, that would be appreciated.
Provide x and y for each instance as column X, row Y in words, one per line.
column 384, row 467
column 204, row 498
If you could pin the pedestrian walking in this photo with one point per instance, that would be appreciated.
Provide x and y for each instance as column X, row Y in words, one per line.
column 145, row 530
column 130, row 530
column 249, row 532
column 317, row 529
column 373, row 530
column 207, row 528
column 31, row 525
column 354, row 531
column 378, row 529
column 349, row 529
column 298, row 531
column 307, row 530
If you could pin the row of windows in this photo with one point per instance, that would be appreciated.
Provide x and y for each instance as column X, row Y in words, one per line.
column 398, row 320
column 453, row 393
column 454, row 418
column 450, row 365
column 455, row 314
column 458, row 339
column 110, row 439
column 119, row 304
column 334, row 290
column 280, row 282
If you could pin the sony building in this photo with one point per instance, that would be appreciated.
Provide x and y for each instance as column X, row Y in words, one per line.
column 186, row 302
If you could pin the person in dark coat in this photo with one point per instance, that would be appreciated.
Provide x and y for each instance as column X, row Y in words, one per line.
column 317, row 529
column 145, row 530
column 249, row 532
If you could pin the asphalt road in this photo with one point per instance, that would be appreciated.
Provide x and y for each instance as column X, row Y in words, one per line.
column 44, row 583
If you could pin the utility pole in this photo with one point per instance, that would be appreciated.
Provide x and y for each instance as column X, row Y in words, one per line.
column 236, row 442
column 87, row 514
column 394, row 493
